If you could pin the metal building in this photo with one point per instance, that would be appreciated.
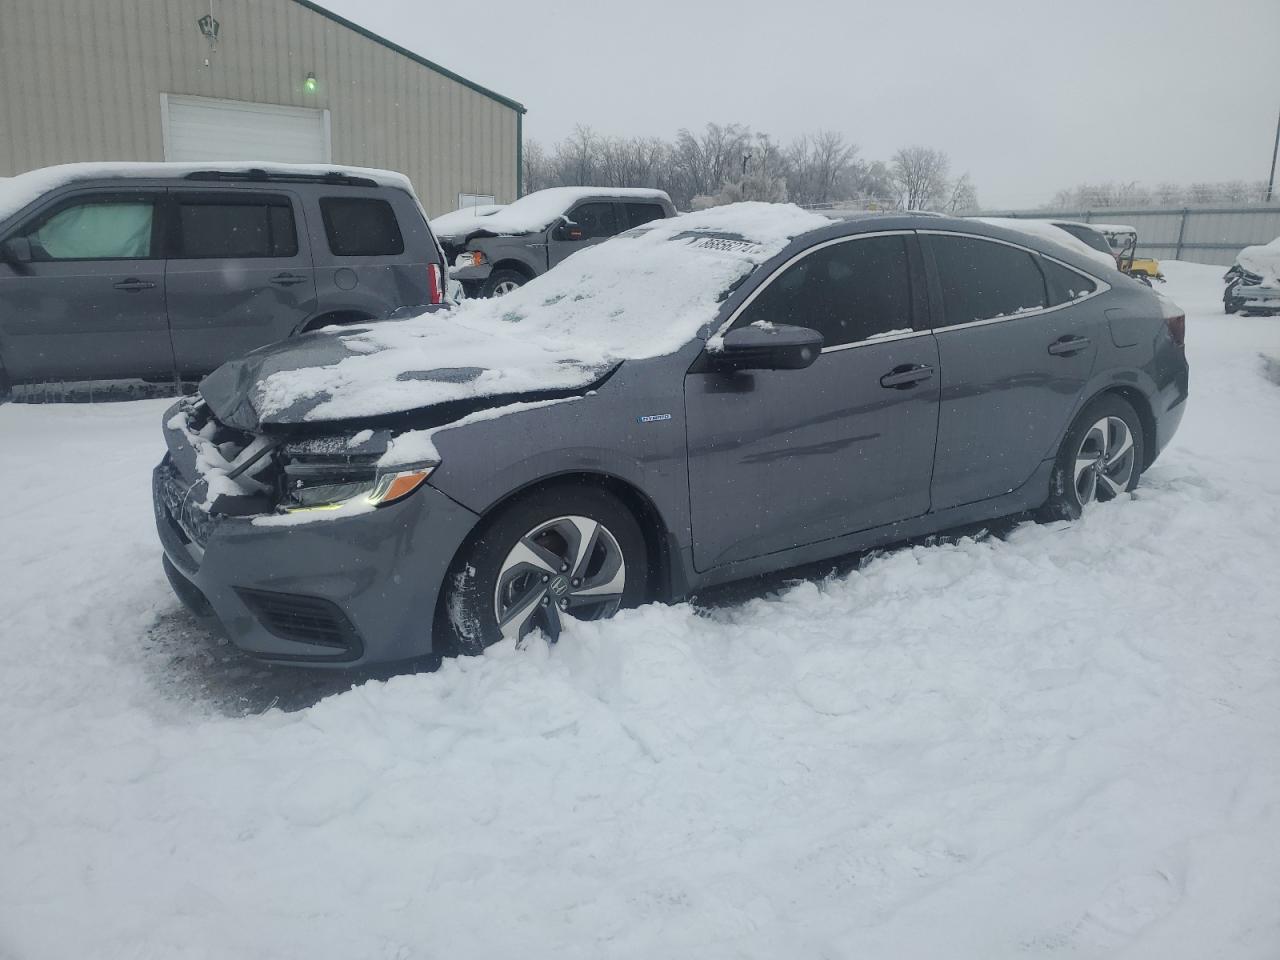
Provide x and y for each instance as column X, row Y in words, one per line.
column 283, row 80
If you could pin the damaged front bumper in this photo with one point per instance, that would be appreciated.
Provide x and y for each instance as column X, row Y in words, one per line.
column 340, row 590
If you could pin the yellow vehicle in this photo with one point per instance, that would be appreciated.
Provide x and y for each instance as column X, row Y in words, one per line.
column 1124, row 245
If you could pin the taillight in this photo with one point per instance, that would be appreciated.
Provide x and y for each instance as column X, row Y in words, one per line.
column 435, row 283
column 1177, row 326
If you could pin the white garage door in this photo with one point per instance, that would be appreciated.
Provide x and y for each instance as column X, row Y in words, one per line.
column 199, row 128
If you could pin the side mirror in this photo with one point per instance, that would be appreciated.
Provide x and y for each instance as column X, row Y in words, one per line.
column 779, row 346
column 16, row 251
column 568, row 230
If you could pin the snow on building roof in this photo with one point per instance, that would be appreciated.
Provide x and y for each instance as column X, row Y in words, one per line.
column 25, row 188
column 532, row 212
column 645, row 293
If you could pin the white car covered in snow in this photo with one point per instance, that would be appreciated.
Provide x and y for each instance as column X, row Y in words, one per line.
column 1253, row 282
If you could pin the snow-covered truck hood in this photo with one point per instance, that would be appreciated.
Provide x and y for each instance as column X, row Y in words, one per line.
column 643, row 294
column 531, row 213
column 1263, row 260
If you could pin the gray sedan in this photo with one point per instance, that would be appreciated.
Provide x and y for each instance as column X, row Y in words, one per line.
column 703, row 399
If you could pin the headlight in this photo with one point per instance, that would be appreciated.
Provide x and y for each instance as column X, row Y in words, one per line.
column 327, row 485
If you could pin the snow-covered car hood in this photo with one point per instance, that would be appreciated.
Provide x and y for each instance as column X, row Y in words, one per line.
column 1263, row 260
column 531, row 213
column 643, row 294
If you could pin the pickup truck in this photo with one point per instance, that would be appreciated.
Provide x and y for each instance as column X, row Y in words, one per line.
column 495, row 249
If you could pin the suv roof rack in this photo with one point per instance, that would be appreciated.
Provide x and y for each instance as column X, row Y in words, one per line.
column 256, row 174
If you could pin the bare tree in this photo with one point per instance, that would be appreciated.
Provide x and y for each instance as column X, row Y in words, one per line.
column 817, row 165
column 962, row 197
column 920, row 177
column 702, row 164
column 535, row 167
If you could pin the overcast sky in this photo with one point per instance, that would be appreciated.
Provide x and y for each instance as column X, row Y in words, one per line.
column 1027, row 96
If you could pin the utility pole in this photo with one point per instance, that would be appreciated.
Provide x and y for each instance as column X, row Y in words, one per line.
column 1271, row 181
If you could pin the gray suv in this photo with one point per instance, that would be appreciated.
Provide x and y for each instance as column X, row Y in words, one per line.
column 704, row 399
column 114, row 270
column 495, row 251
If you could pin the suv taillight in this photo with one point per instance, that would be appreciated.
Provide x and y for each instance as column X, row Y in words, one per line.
column 1177, row 327
column 435, row 283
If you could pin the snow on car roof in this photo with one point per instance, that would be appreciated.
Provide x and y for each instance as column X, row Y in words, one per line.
column 532, row 212
column 1262, row 259
column 1048, row 230
column 18, row 191
column 645, row 293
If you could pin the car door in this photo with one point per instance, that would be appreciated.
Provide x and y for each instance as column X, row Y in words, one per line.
column 598, row 220
column 778, row 459
column 91, row 302
column 238, row 275
column 1016, row 352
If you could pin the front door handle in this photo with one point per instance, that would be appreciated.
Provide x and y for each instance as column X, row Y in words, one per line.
column 287, row 279
column 906, row 376
column 133, row 285
column 1068, row 346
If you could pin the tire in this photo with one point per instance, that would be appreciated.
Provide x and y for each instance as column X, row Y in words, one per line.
column 1230, row 304
column 6, row 388
column 502, row 282
column 1095, row 461
column 525, row 562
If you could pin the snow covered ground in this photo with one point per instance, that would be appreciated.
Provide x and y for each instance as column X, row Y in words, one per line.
column 1062, row 741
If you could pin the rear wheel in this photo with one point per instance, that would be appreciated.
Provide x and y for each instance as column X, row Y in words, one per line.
column 502, row 282
column 1100, row 458
column 563, row 551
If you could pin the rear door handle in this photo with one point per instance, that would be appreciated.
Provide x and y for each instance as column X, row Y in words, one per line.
column 906, row 376
column 133, row 285
column 287, row 279
column 1067, row 346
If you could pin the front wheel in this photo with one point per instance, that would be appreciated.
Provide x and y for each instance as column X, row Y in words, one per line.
column 1230, row 304
column 502, row 282
column 563, row 551
column 1100, row 458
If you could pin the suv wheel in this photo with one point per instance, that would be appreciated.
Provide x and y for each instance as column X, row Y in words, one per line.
column 564, row 551
column 1100, row 458
column 502, row 282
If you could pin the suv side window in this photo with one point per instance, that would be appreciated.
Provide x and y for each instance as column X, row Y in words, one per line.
column 849, row 291
column 230, row 227
column 596, row 218
column 983, row 280
column 361, row 227
column 96, row 229
column 638, row 214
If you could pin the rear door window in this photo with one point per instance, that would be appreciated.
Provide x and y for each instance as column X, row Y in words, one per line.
column 597, row 219
column 1065, row 284
column 96, row 229
column 847, row 291
column 984, row 280
column 638, row 214
column 235, row 227
column 361, row 227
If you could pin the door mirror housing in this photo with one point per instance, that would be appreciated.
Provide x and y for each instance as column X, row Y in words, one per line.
column 16, row 251
column 568, row 230
column 778, row 346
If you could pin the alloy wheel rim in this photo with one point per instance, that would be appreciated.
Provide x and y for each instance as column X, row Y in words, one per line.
column 569, row 566
column 1104, row 463
column 505, row 287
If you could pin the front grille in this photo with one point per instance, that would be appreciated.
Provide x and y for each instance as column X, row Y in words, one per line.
column 190, row 521
column 292, row 616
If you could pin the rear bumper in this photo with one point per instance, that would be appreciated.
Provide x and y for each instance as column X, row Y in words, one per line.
column 1168, row 406
column 341, row 592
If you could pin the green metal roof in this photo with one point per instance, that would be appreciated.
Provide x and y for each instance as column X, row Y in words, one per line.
column 505, row 101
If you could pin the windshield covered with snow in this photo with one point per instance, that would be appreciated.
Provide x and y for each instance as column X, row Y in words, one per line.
column 1262, row 260
column 643, row 294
